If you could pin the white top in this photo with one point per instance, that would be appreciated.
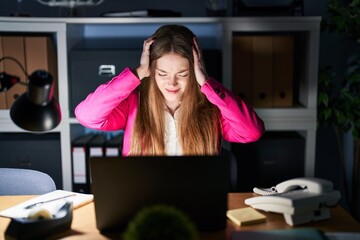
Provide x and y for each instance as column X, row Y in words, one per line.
column 172, row 144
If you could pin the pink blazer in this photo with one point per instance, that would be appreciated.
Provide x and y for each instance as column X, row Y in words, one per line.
column 113, row 106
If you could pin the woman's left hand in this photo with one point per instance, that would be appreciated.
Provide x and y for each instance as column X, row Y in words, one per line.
column 199, row 66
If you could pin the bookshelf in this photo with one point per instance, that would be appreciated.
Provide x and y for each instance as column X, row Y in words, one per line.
column 107, row 34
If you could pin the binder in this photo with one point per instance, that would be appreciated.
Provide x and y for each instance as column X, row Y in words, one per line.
column 13, row 46
column 2, row 100
column 96, row 146
column 242, row 68
column 1, row 54
column 80, row 163
column 40, row 53
column 2, row 93
column 14, row 92
column 113, row 147
column 263, row 71
column 283, row 71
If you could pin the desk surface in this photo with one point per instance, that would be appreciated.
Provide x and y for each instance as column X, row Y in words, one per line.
column 84, row 225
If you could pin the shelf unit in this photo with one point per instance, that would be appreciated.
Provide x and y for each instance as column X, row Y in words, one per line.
column 72, row 33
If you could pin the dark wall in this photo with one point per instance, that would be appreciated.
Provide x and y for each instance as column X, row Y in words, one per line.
column 188, row 8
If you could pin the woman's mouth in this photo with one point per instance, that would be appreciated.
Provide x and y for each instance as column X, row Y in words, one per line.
column 172, row 91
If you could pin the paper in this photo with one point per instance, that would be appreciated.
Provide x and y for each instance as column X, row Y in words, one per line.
column 20, row 211
column 247, row 215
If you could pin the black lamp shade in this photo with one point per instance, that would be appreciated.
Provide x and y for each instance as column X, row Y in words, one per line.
column 37, row 110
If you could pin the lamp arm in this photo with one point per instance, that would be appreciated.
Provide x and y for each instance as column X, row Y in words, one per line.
column 19, row 64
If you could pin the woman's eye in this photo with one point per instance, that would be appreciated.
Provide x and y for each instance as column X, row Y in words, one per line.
column 183, row 75
column 161, row 74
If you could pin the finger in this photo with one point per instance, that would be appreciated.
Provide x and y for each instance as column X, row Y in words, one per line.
column 197, row 48
column 196, row 56
column 148, row 42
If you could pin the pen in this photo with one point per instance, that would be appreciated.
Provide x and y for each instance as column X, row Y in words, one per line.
column 51, row 200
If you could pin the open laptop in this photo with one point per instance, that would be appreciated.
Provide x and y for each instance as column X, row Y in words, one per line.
column 197, row 185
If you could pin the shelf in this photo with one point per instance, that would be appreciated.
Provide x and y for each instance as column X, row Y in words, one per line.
column 214, row 33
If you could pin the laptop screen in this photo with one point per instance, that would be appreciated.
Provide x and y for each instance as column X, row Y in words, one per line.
column 196, row 185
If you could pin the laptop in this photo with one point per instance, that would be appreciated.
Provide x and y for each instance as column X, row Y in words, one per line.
column 197, row 185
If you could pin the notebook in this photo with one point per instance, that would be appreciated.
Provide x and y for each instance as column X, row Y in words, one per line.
column 197, row 185
column 48, row 201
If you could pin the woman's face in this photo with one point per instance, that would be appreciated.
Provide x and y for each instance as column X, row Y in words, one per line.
column 172, row 75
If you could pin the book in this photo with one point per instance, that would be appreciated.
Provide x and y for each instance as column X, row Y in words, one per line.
column 244, row 216
column 49, row 201
column 283, row 234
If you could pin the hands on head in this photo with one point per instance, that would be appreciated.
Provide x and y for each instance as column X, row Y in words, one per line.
column 143, row 70
column 199, row 65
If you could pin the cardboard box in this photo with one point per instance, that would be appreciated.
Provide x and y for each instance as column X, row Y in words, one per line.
column 14, row 92
column 40, row 54
column 13, row 46
column 3, row 100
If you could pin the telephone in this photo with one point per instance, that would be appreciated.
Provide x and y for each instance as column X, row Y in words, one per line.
column 301, row 200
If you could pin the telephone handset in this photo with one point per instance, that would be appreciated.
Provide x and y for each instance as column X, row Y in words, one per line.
column 316, row 185
column 301, row 200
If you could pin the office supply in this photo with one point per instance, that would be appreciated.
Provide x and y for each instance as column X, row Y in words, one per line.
column 96, row 145
column 98, row 66
column 300, row 200
column 242, row 67
column 262, row 71
column 37, row 110
column 33, row 229
column 124, row 185
column 37, row 204
column 80, row 163
column 283, row 71
column 245, row 216
column 113, row 147
column 283, row 234
column 340, row 224
column 48, row 202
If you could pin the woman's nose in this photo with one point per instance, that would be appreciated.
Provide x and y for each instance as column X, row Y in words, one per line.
column 173, row 81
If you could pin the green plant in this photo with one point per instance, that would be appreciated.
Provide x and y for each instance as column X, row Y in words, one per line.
column 160, row 222
column 344, row 18
column 339, row 105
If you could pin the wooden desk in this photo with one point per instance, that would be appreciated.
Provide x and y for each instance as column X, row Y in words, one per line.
column 84, row 225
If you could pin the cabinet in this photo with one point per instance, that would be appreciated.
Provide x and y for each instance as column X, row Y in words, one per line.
column 214, row 33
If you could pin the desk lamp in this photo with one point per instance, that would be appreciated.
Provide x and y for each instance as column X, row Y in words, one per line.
column 36, row 110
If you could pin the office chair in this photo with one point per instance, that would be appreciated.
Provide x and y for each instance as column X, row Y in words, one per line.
column 15, row 181
column 233, row 168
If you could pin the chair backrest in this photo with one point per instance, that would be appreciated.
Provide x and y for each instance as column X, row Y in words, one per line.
column 233, row 169
column 14, row 181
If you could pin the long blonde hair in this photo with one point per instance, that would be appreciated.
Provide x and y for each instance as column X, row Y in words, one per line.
column 199, row 122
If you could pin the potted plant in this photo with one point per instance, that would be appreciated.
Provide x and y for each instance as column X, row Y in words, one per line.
column 160, row 222
column 339, row 104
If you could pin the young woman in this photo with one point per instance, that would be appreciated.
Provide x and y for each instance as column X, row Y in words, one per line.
column 168, row 105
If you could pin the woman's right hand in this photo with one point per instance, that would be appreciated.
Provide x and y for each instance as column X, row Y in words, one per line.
column 143, row 70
